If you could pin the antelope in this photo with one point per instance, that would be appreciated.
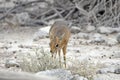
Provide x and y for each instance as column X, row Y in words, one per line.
column 59, row 34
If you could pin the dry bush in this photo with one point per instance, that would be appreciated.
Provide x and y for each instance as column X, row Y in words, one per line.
column 38, row 61
column 77, row 12
column 85, row 68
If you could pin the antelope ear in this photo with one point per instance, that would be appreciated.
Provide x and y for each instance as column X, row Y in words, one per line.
column 51, row 36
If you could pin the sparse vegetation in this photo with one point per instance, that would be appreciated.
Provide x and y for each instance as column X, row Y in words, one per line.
column 41, row 60
column 84, row 68
column 38, row 61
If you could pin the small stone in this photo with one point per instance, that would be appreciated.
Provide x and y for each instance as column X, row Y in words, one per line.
column 118, row 38
column 106, row 70
column 77, row 77
column 107, row 30
column 90, row 28
column 41, row 34
column 61, row 74
column 117, row 71
column 82, row 36
column 11, row 63
column 77, row 51
column 75, row 29
column 97, row 38
column 14, row 52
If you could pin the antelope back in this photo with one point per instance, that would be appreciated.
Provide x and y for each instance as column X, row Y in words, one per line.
column 59, row 29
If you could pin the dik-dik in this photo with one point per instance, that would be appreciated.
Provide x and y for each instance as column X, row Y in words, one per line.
column 59, row 36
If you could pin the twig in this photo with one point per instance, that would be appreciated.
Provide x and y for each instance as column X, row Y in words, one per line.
column 57, row 12
column 70, row 12
column 21, row 5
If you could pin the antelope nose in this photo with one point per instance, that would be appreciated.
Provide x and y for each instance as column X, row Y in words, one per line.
column 51, row 51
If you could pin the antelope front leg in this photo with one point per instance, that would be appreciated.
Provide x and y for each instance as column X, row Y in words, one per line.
column 52, row 55
column 59, row 56
column 64, row 55
column 55, row 54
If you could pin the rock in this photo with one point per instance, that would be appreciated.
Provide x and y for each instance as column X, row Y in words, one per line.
column 106, row 70
column 97, row 38
column 116, row 54
column 11, row 63
column 97, row 35
column 51, row 22
column 118, row 38
column 75, row 29
column 104, row 30
column 107, row 30
column 89, row 28
column 116, row 30
column 109, row 76
column 40, row 35
column 14, row 75
column 45, row 29
column 117, row 71
column 111, row 41
column 77, row 77
column 82, row 35
column 61, row 74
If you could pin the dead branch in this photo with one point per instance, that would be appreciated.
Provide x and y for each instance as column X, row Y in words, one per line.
column 18, row 6
column 96, row 12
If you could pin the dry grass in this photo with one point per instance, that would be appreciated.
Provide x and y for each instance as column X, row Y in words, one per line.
column 85, row 68
column 40, row 60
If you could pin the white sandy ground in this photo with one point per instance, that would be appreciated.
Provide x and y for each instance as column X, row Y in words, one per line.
column 12, row 38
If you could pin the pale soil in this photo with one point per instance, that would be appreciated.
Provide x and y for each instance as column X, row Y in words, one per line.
column 11, row 39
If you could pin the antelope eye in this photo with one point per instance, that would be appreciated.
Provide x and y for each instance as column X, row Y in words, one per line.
column 56, row 45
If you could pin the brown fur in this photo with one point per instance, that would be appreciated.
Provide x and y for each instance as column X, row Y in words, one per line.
column 59, row 36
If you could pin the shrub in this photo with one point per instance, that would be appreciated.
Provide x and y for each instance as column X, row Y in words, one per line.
column 84, row 68
column 38, row 60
